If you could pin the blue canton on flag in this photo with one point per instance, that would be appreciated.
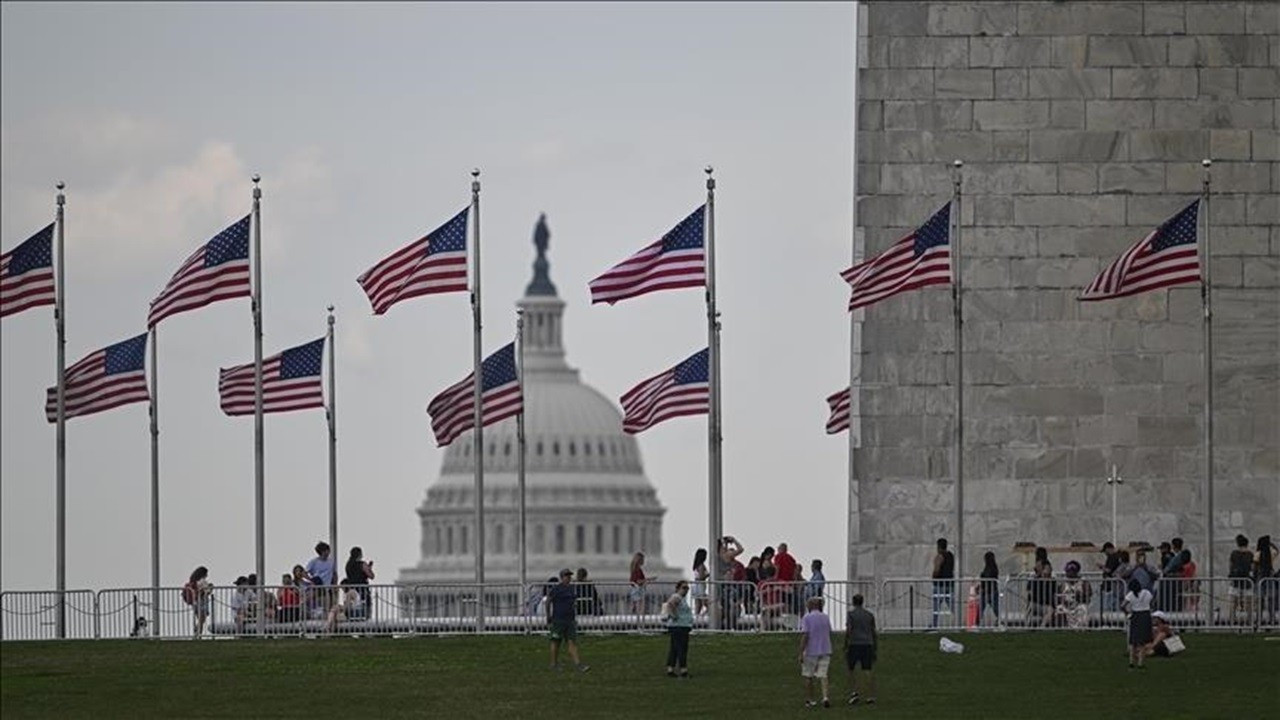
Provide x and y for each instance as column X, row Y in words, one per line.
column 687, row 235
column 450, row 237
column 26, row 274
column 302, row 361
column 934, row 232
column 35, row 252
column 127, row 356
column 230, row 244
column 498, row 369
column 1179, row 230
column 693, row 370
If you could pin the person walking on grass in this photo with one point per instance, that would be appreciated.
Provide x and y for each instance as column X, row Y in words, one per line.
column 860, row 650
column 679, row 617
column 1137, row 602
column 562, row 618
column 815, row 651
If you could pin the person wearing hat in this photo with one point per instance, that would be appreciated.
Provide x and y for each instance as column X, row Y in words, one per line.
column 1164, row 639
column 562, row 619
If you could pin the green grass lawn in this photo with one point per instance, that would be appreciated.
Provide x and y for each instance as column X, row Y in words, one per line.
column 1055, row 675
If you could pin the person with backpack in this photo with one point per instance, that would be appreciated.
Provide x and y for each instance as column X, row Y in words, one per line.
column 195, row 593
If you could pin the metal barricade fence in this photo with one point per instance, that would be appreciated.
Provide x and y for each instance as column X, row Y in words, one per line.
column 33, row 615
column 1237, row 603
column 450, row 608
column 779, row 606
column 922, row 604
column 143, row 612
column 1267, row 602
column 900, row 604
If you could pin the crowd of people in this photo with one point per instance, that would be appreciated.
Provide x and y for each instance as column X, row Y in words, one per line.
column 1063, row 600
column 771, row 584
column 310, row 592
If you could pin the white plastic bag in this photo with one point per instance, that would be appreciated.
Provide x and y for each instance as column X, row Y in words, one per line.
column 947, row 645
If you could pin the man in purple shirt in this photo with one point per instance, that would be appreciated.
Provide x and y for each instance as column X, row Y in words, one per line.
column 815, row 651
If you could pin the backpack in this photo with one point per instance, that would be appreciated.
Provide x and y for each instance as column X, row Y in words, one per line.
column 189, row 593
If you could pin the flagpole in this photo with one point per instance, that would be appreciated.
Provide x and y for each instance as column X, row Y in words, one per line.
column 853, row 523
column 155, row 483
column 331, row 415
column 258, row 470
column 1206, row 298
column 60, row 322
column 478, row 381
column 957, row 291
column 715, row 498
column 520, row 447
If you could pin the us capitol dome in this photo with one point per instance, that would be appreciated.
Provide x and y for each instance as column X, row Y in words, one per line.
column 588, row 502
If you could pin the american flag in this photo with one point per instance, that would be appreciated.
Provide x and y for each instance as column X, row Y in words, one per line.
column 1167, row 256
column 453, row 412
column 677, row 260
column 839, row 404
column 683, row 390
column 108, row 378
column 26, row 274
column 290, row 381
column 435, row 264
column 218, row 270
column 919, row 259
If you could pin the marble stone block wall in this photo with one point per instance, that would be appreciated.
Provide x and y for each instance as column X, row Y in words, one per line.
column 1081, row 126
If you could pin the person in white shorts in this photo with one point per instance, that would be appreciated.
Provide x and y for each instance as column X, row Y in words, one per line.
column 815, row 651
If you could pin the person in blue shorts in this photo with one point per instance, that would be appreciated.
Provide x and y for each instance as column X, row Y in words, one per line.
column 562, row 618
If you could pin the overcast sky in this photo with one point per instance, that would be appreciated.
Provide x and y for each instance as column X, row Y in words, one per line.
column 364, row 122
